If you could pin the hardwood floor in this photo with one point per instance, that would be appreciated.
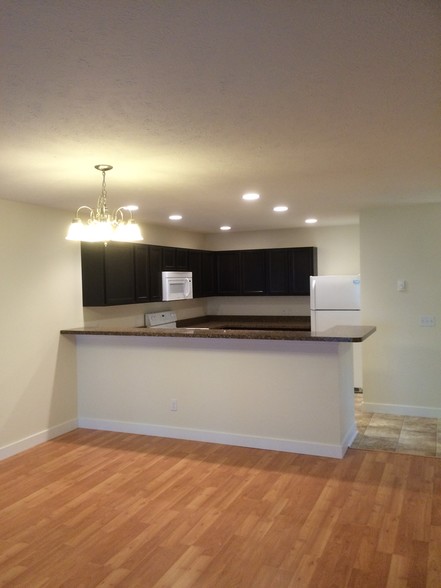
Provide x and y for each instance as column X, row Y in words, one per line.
column 108, row 509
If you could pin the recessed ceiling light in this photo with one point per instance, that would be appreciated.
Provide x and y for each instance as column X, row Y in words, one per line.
column 310, row 221
column 251, row 196
column 131, row 207
column 280, row 208
column 175, row 217
column 225, row 228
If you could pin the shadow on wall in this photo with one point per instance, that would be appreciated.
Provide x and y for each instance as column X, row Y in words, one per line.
column 64, row 404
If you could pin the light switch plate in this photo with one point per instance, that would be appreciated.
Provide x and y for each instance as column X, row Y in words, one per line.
column 427, row 320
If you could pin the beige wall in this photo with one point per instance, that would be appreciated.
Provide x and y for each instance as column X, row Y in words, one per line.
column 402, row 361
column 40, row 293
column 172, row 237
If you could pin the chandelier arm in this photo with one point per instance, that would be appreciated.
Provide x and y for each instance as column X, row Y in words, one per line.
column 120, row 212
column 91, row 215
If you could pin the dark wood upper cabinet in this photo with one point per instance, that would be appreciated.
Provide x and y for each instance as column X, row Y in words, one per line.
column 277, row 264
column 303, row 264
column 195, row 266
column 155, row 272
column 208, row 273
column 92, row 274
column 288, row 270
column 127, row 273
column 202, row 264
column 174, row 259
column 142, row 278
column 181, row 260
column 168, row 258
column 253, row 272
column 108, row 273
column 119, row 270
column 228, row 273
column 271, row 272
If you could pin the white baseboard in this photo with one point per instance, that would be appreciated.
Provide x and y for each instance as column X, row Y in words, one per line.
column 37, row 438
column 288, row 445
column 403, row 410
column 349, row 438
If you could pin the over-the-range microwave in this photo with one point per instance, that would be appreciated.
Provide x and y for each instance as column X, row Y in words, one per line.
column 177, row 285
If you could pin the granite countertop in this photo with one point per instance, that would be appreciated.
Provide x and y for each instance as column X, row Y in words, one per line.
column 281, row 328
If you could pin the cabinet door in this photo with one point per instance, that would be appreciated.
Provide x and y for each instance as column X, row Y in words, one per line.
column 208, row 271
column 202, row 265
column 119, row 268
column 168, row 258
column 92, row 274
column 174, row 259
column 253, row 272
column 142, row 281
column 278, row 268
column 181, row 259
column 195, row 266
column 303, row 265
column 228, row 273
column 155, row 272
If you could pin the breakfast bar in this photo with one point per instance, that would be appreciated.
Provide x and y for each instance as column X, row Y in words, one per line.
column 269, row 388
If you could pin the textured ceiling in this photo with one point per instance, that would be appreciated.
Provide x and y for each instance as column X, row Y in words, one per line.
column 326, row 106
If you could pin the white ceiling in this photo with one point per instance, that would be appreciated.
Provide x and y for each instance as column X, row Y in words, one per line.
column 327, row 106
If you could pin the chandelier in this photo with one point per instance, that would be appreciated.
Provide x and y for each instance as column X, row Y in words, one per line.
column 101, row 226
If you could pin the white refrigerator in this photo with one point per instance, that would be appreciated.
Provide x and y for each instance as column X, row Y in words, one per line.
column 335, row 300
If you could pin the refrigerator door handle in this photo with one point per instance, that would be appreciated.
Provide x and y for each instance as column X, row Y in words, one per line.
column 312, row 293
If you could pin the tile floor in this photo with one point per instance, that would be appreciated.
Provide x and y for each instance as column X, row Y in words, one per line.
column 401, row 434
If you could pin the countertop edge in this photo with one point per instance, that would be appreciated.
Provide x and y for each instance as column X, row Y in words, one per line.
column 340, row 334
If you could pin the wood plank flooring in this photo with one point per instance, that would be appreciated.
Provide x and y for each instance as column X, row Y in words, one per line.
column 103, row 509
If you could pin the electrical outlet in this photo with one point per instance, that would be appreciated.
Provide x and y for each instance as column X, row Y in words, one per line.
column 174, row 404
column 427, row 320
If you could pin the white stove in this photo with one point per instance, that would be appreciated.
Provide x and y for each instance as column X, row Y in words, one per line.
column 160, row 320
